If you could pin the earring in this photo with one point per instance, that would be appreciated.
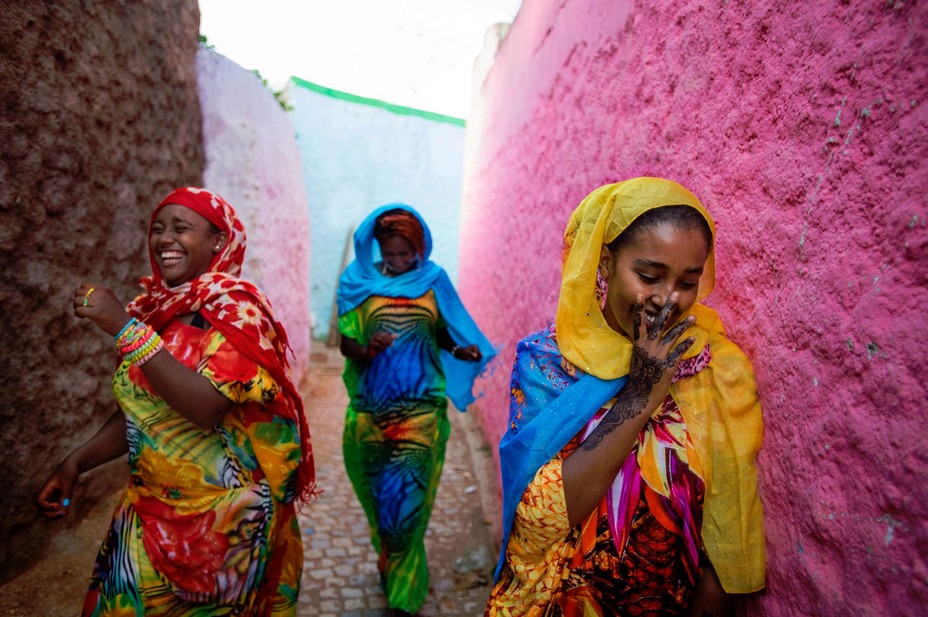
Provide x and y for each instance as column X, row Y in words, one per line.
column 602, row 289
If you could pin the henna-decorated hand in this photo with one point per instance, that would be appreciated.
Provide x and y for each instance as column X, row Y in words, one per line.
column 656, row 351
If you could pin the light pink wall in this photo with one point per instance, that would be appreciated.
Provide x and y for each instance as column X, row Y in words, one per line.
column 252, row 160
column 802, row 126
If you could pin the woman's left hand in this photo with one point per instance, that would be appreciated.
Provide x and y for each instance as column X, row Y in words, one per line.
column 471, row 353
column 100, row 305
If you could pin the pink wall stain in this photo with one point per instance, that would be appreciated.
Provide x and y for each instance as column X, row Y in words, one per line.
column 803, row 128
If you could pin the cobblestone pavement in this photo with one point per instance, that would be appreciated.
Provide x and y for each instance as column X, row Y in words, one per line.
column 340, row 568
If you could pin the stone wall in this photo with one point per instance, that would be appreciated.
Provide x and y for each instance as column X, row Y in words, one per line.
column 253, row 161
column 803, row 128
column 100, row 118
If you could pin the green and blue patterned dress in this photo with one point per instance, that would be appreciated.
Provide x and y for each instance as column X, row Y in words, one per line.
column 396, row 430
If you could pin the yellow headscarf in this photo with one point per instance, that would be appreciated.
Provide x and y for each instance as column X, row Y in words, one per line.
column 583, row 335
column 719, row 404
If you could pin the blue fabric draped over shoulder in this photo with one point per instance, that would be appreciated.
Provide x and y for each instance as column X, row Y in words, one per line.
column 361, row 279
column 547, row 408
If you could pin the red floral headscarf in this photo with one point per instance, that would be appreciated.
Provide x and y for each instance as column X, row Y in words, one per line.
column 232, row 305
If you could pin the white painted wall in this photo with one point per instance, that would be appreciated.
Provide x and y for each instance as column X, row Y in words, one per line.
column 359, row 154
column 252, row 160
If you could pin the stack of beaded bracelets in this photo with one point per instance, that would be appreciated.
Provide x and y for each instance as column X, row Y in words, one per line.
column 137, row 342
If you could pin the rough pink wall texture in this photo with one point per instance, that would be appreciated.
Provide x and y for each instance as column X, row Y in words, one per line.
column 252, row 160
column 803, row 128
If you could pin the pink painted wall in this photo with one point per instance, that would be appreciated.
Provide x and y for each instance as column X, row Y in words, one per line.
column 253, row 161
column 803, row 128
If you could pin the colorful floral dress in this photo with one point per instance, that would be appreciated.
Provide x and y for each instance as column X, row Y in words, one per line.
column 207, row 525
column 396, row 429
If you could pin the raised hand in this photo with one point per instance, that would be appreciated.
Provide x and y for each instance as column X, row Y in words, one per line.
column 100, row 305
column 590, row 469
column 656, row 351
column 654, row 360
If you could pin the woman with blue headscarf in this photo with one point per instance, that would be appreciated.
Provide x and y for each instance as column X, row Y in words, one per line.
column 409, row 344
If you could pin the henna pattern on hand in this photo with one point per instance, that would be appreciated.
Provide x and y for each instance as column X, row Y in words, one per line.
column 645, row 372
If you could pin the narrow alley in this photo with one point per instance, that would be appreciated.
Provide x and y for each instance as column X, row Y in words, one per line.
column 340, row 568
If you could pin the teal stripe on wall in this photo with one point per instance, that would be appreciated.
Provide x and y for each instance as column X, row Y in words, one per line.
column 397, row 109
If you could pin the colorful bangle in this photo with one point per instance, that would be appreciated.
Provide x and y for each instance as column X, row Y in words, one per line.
column 139, row 343
column 131, row 333
column 140, row 335
column 142, row 351
column 132, row 321
column 151, row 354
column 138, row 331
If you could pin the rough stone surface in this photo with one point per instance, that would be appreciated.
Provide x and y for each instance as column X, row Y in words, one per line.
column 253, row 161
column 100, row 118
column 803, row 128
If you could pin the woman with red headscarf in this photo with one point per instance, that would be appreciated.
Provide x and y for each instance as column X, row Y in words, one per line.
column 218, row 445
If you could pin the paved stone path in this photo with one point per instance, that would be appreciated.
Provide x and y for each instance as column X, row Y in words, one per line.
column 340, row 570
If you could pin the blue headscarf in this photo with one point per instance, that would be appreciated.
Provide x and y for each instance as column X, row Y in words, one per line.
column 361, row 279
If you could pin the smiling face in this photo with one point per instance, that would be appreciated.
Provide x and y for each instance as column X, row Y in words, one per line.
column 398, row 255
column 659, row 260
column 183, row 243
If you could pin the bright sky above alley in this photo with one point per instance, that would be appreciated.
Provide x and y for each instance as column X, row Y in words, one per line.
column 416, row 53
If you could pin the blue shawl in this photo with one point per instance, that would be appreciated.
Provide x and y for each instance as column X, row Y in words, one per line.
column 361, row 279
column 547, row 409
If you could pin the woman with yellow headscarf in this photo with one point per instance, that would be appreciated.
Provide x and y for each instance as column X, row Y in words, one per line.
column 629, row 478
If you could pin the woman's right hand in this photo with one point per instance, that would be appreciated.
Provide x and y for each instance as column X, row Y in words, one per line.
column 591, row 468
column 55, row 496
column 99, row 304
column 656, row 351
column 378, row 342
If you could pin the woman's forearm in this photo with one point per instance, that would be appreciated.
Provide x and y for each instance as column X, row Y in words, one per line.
column 106, row 445
column 352, row 349
column 710, row 599
column 187, row 392
column 444, row 340
column 590, row 469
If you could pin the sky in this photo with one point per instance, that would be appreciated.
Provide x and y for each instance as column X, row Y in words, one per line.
column 415, row 53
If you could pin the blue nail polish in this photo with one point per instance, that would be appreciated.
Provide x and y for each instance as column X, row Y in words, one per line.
column 66, row 502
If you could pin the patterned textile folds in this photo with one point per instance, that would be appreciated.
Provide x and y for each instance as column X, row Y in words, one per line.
column 396, row 425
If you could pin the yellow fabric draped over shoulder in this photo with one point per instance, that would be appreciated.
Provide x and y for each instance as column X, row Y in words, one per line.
column 723, row 416
column 719, row 404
